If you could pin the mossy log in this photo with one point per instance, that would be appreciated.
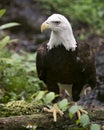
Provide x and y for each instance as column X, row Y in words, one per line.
column 44, row 121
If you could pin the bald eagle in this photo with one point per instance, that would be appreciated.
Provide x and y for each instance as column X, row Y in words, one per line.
column 62, row 60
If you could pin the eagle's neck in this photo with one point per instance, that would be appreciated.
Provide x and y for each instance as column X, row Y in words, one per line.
column 64, row 38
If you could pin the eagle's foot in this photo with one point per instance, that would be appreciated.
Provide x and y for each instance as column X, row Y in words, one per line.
column 80, row 111
column 54, row 110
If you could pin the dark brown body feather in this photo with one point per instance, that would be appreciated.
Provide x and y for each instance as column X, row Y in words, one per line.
column 67, row 67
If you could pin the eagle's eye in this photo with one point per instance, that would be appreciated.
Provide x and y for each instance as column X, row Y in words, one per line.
column 56, row 22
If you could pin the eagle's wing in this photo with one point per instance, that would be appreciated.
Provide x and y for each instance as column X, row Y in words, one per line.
column 40, row 62
column 88, row 62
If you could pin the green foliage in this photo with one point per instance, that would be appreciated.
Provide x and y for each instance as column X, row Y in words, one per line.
column 17, row 71
column 18, row 74
column 63, row 105
column 2, row 12
column 74, row 109
column 43, row 97
column 8, row 25
column 49, row 97
column 90, row 12
column 40, row 95
column 95, row 127
column 84, row 120
column 4, row 42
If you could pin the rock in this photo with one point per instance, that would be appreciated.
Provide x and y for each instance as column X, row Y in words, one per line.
column 30, row 15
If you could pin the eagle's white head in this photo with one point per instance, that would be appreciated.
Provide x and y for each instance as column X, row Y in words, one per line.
column 61, row 32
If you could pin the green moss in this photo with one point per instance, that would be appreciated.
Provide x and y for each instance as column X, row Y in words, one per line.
column 18, row 108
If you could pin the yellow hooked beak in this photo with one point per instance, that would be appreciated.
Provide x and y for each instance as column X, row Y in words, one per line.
column 44, row 26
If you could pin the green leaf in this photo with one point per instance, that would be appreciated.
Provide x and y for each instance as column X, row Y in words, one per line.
column 63, row 105
column 74, row 109
column 95, row 127
column 49, row 97
column 84, row 120
column 40, row 95
column 77, row 122
column 2, row 11
column 4, row 41
column 70, row 115
column 9, row 25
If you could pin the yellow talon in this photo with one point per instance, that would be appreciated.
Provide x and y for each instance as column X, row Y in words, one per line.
column 83, row 111
column 78, row 114
column 80, row 111
column 54, row 110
